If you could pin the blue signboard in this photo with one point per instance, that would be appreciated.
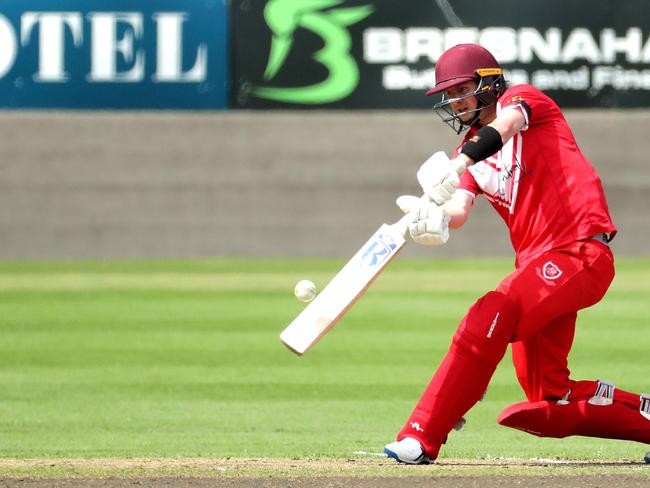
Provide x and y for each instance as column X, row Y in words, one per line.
column 122, row 54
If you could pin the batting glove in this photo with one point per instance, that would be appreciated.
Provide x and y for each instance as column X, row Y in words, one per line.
column 429, row 223
column 438, row 176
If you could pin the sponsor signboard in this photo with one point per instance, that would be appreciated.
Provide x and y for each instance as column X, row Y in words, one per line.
column 382, row 53
column 113, row 54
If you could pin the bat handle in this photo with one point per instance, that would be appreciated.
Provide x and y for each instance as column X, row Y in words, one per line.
column 402, row 225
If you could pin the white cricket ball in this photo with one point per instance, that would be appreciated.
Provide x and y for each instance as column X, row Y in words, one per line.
column 305, row 291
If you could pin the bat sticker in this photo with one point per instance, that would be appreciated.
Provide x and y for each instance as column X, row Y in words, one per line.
column 378, row 251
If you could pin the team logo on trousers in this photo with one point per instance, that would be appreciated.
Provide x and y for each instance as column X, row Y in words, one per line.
column 550, row 271
column 416, row 426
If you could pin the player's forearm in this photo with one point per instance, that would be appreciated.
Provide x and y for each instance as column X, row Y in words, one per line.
column 458, row 209
column 466, row 159
column 456, row 219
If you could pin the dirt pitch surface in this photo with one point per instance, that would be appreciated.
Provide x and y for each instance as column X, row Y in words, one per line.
column 320, row 473
column 414, row 482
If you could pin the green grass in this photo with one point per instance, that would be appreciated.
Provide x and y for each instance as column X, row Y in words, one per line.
column 182, row 359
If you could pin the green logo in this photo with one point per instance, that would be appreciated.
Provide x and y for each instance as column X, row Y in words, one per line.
column 284, row 17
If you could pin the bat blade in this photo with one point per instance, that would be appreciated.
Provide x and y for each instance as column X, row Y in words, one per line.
column 343, row 290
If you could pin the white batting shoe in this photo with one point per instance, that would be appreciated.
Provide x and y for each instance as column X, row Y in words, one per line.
column 407, row 451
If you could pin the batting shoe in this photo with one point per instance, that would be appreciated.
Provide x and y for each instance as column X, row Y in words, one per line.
column 407, row 451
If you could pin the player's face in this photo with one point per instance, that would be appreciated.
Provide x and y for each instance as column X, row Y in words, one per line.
column 462, row 104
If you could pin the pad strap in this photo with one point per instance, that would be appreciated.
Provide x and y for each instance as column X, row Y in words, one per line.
column 486, row 142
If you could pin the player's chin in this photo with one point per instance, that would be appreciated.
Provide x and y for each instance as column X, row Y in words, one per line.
column 466, row 117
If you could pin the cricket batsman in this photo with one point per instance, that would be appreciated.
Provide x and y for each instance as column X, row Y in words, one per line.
column 520, row 154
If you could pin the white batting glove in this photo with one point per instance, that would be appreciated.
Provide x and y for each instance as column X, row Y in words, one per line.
column 429, row 224
column 438, row 176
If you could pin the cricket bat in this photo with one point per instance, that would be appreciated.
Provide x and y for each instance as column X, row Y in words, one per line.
column 346, row 287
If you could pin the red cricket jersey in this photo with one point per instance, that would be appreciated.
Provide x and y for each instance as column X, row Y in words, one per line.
column 540, row 183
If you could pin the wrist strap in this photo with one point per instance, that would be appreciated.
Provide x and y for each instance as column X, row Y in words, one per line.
column 486, row 142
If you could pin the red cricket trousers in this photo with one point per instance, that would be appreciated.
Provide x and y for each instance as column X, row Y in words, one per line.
column 535, row 309
column 549, row 291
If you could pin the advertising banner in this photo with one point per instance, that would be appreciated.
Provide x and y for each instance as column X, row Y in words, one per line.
column 382, row 53
column 114, row 54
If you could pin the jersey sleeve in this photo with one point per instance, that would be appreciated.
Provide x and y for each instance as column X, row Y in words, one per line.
column 531, row 102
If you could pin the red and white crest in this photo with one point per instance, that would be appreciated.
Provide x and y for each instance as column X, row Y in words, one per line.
column 550, row 271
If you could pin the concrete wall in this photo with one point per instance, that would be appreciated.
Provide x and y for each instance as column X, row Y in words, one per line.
column 267, row 184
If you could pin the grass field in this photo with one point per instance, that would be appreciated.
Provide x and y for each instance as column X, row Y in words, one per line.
column 182, row 360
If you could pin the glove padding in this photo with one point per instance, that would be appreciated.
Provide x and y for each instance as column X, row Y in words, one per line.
column 438, row 176
column 429, row 224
